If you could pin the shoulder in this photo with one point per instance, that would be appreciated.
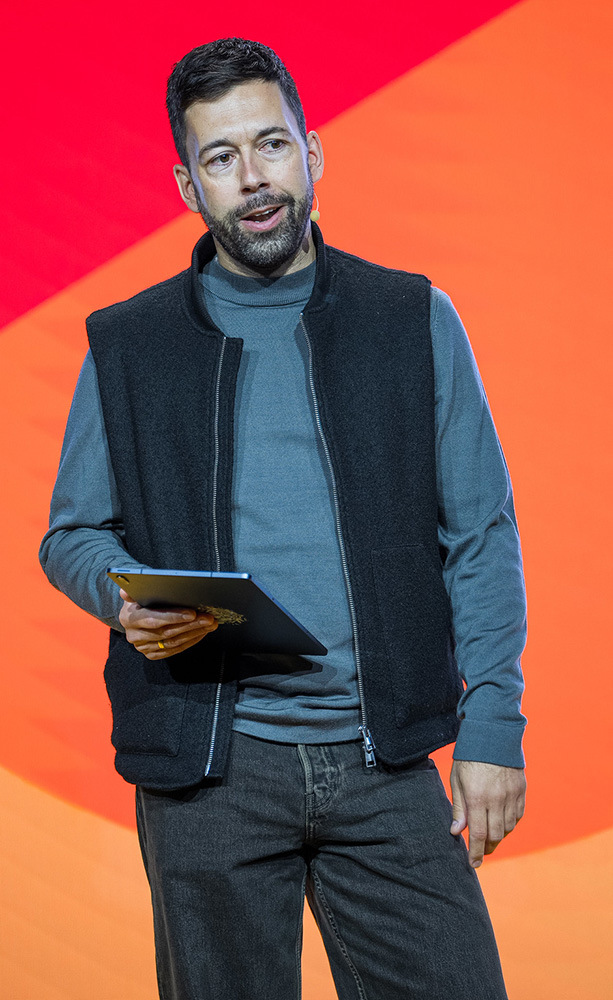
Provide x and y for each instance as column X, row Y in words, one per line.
column 160, row 297
column 363, row 272
column 448, row 333
column 451, row 349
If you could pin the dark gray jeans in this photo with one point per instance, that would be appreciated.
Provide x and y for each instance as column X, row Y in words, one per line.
column 399, row 908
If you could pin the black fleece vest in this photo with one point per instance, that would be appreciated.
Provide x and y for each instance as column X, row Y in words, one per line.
column 167, row 382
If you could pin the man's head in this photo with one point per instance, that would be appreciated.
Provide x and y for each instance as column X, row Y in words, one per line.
column 210, row 71
column 240, row 132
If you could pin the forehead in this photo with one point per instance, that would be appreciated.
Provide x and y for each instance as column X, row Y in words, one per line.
column 242, row 112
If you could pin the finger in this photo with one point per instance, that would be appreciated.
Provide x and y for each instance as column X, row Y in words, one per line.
column 156, row 653
column 151, row 636
column 134, row 615
column 459, row 822
column 477, row 835
column 161, row 649
column 195, row 627
column 152, row 618
column 514, row 811
column 511, row 817
column 495, row 828
column 175, row 638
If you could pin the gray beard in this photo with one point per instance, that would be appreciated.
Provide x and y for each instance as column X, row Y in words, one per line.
column 265, row 251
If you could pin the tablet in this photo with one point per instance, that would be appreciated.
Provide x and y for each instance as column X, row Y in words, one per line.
column 250, row 620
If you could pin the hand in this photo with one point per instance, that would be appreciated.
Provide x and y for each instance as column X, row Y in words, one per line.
column 177, row 628
column 487, row 799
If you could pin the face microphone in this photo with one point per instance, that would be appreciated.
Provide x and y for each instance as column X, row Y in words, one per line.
column 315, row 216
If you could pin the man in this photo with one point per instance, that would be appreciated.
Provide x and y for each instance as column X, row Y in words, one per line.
column 287, row 409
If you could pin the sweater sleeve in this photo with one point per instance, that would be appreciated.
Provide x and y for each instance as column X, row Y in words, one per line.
column 85, row 535
column 478, row 533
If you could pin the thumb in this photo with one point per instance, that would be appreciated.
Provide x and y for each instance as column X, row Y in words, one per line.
column 459, row 821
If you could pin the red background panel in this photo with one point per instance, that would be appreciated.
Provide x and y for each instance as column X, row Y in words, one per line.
column 88, row 145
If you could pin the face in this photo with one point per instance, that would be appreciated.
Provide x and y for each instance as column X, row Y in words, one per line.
column 251, row 178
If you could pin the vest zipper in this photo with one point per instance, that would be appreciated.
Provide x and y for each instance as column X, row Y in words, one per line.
column 216, row 457
column 209, row 759
column 367, row 741
column 216, row 546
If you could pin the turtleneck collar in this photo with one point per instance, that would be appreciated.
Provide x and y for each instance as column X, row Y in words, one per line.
column 245, row 290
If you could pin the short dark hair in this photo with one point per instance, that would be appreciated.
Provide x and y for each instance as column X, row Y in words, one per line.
column 210, row 71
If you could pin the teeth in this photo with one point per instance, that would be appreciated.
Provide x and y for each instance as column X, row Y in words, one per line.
column 262, row 215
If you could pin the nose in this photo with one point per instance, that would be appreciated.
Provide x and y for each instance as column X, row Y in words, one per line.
column 252, row 178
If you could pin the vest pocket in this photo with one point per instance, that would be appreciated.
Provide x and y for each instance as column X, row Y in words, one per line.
column 415, row 620
column 148, row 703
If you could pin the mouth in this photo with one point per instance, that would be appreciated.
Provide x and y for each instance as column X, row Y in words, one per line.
column 263, row 219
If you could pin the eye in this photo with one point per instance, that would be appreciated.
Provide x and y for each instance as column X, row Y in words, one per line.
column 274, row 144
column 221, row 159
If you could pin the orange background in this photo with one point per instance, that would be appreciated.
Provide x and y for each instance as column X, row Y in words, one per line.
column 485, row 163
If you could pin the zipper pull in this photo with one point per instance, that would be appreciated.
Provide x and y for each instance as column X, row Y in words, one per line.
column 369, row 747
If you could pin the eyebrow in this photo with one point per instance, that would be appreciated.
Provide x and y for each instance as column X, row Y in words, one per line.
column 270, row 130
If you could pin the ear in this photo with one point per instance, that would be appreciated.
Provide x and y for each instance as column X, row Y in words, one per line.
column 315, row 155
column 186, row 186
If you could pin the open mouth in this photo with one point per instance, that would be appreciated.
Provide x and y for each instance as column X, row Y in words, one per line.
column 263, row 218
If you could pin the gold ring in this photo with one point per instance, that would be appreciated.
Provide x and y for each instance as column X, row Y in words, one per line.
column 161, row 645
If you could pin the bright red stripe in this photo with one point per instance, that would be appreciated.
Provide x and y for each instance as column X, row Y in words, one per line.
column 84, row 111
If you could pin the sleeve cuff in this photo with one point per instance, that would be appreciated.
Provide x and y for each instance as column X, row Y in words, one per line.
column 490, row 742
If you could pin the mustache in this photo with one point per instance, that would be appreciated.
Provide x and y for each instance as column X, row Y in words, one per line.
column 258, row 201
